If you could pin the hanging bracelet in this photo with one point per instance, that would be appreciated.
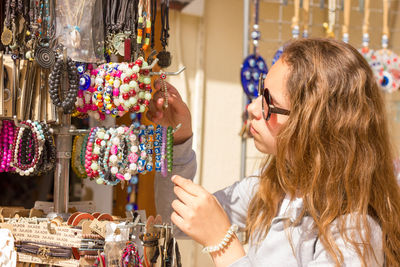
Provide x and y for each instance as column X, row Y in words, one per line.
column 232, row 230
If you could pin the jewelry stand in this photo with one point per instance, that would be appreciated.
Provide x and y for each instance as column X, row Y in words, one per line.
column 63, row 134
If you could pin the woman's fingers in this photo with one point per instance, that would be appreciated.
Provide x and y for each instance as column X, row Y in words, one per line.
column 177, row 220
column 180, row 208
column 187, row 185
column 183, row 196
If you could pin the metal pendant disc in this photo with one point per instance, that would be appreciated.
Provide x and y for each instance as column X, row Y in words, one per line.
column 45, row 57
column 6, row 36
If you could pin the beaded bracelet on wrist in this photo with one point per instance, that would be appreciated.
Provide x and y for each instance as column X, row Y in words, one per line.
column 231, row 232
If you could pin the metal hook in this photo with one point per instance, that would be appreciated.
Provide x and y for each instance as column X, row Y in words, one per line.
column 149, row 67
column 20, row 125
column 168, row 73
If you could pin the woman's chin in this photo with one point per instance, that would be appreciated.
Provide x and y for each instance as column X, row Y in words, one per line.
column 263, row 148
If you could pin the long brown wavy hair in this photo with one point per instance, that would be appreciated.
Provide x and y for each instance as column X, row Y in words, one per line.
column 334, row 151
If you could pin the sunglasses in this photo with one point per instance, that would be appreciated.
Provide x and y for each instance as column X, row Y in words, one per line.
column 267, row 107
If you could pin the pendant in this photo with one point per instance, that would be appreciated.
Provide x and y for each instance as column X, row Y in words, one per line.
column 118, row 43
column 6, row 36
column 45, row 57
column 75, row 38
column 164, row 59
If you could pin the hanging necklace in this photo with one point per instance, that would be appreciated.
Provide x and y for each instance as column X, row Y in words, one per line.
column 254, row 65
column 164, row 57
column 389, row 61
column 7, row 35
column 345, row 28
column 76, row 20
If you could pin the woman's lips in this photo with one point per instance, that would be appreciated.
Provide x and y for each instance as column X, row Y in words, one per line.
column 252, row 130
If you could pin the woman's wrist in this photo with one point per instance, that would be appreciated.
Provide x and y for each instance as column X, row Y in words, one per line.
column 230, row 254
column 182, row 135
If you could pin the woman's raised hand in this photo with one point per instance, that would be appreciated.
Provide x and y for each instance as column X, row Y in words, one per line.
column 176, row 113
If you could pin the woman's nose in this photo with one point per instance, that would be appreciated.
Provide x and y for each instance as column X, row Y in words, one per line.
column 254, row 108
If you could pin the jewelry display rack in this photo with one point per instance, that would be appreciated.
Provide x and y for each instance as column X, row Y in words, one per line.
column 63, row 138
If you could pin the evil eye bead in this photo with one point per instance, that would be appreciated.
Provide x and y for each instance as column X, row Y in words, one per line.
column 256, row 75
column 100, row 88
column 251, row 88
column 84, row 82
column 80, row 69
column 260, row 65
column 114, row 112
column 252, row 63
column 247, row 74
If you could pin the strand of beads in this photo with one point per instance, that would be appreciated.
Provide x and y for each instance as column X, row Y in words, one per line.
column 120, row 154
column 55, row 81
column 89, row 152
column 112, row 89
column 170, row 144
column 149, row 148
column 157, row 148
column 27, row 150
column 28, row 168
column 7, row 137
column 163, row 152
column 76, row 165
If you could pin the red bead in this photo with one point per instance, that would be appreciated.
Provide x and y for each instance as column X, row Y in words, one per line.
column 140, row 101
column 95, row 173
column 130, row 65
column 146, row 102
column 125, row 96
column 142, row 85
column 138, row 62
column 98, row 141
column 136, row 108
column 134, row 76
column 126, row 80
column 132, row 93
column 95, row 157
column 145, row 72
column 148, row 87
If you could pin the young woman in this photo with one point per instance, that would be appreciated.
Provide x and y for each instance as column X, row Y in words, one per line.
column 326, row 194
